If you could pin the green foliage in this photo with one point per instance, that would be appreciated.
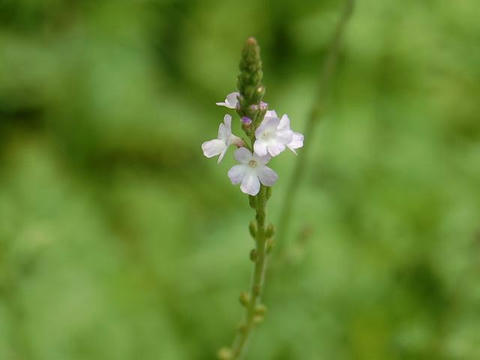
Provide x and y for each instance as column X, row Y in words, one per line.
column 119, row 241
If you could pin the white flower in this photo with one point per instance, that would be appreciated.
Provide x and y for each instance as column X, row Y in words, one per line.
column 231, row 101
column 225, row 139
column 251, row 172
column 274, row 134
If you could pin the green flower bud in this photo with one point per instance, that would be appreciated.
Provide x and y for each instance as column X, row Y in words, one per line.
column 253, row 228
column 242, row 328
column 260, row 309
column 269, row 246
column 225, row 354
column 257, row 319
column 269, row 188
column 270, row 231
column 250, row 78
column 244, row 298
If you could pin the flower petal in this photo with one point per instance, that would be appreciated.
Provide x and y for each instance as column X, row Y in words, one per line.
column 262, row 159
column 227, row 119
column 213, row 147
column 296, row 143
column 267, row 176
column 225, row 128
column 284, row 123
column 237, row 173
column 268, row 123
column 275, row 148
column 250, row 184
column 284, row 136
column 243, row 155
column 260, row 147
column 271, row 113
column 232, row 100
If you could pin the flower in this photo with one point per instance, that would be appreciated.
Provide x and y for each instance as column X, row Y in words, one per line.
column 225, row 139
column 231, row 101
column 251, row 172
column 274, row 134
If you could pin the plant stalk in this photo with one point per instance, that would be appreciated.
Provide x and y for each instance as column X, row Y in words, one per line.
column 256, row 287
column 317, row 111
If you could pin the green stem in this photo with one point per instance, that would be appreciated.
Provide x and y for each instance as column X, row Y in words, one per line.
column 20, row 344
column 316, row 113
column 256, row 287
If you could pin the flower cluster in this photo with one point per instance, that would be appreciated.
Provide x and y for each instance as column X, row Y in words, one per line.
column 268, row 140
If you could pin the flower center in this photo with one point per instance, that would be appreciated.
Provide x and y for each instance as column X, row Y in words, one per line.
column 252, row 163
column 267, row 135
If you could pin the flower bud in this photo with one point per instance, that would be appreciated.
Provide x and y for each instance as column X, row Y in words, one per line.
column 257, row 319
column 260, row 309
column 225, row 354
column 269, row 192
column 253, row 255
column 246, row 120
column 260, row 91
column 270, row 231
column 244, row 298
column 250, row 77
column 270, row 244
column 253, row 229
column 242, row 328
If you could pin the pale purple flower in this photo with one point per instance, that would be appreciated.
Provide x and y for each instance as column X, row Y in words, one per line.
column 231, row 101
column 225, row 139
column 251, row 171
column 273, row 135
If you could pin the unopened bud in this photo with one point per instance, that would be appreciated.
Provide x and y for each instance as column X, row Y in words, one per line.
column 244, row 298
column 260, row 309
column 225, row 354
column 270, row 244
column 253, row 255
column 253, row 228
column 242, row 328
column 270, row 231
column 257, row 319
column 269, row 192
column 246, row 121
column 261, row 91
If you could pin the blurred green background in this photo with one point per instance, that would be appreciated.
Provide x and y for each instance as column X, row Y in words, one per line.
column 119, row 240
